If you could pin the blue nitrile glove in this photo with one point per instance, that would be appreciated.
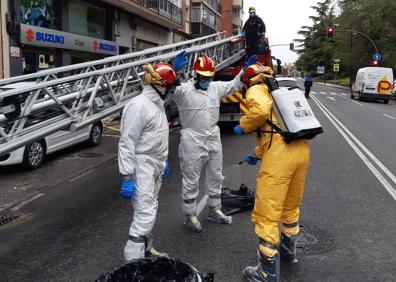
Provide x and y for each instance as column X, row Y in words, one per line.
column 243, row 33
column 238, row 130
column 251, row 159
column 180, row 61
column 128, row 188
column 252, row 59
column 166, row 172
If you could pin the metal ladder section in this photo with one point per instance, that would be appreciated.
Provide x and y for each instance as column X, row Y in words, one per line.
column 75, row 96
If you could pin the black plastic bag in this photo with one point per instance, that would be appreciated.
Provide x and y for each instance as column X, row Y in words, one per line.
column 236, row 201
column 156, row 269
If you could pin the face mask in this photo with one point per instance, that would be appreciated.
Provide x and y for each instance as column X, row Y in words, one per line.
column 204, row 84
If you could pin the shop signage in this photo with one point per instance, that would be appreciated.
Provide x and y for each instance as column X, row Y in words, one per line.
column 44, row 37
column 15, row 52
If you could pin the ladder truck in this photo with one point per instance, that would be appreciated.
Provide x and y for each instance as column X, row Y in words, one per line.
column 75, row 96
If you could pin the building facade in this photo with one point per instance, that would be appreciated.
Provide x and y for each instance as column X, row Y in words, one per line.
column 51, row 33
column 4, row 42
column 232, row 16
column 205, row 17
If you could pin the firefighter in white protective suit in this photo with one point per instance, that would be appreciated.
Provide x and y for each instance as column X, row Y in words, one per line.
column 142, row 157
column 198, row 101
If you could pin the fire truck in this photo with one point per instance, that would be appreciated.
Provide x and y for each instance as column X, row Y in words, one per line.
column 234, row 106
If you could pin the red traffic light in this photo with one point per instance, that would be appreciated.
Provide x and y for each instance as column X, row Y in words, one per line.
column 330, row 32
column 374, row 63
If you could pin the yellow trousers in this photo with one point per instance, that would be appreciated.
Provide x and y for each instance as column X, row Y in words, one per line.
column 280, row 188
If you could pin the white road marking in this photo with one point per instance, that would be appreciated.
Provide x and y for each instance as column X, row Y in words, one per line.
column 324, row 93
column 313, row 92
column 81, row 175
column 357, row 103
column 331, row 98
column 345, row 132
column 35, row 197
column 202, row 204
column 344, row 94
column 389, row 116
column 333, row 93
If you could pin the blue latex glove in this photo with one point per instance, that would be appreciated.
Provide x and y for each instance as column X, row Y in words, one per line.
column 251, row 159
column 166, row 172
column 180, row 61
column 238, row 130
column 252, row 59
column 128, row 188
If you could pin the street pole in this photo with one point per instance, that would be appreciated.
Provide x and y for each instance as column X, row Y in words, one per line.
column 350, row 64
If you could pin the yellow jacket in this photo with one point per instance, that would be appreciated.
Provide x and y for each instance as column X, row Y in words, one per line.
column 259, row 102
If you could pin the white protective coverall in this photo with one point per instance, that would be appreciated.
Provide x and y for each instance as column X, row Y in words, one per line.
column 142, row 152
column 200, row 143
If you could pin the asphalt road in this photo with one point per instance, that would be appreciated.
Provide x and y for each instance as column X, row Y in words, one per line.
column 77, row 229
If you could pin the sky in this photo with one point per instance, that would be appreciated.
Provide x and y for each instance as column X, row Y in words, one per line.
column 283, row 18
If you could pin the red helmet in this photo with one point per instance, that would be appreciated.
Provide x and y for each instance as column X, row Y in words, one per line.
column 204, row 66
column 166, row 72
column 254, row 70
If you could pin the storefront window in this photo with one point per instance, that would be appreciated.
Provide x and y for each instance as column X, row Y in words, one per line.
column 87, row 20
column 42, row 13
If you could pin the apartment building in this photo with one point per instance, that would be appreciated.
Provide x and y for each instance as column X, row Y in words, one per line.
column 51, row 33
column 232, row 16
column 205, row 17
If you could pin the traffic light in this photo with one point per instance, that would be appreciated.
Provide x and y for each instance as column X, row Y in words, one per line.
column 374, row 63
column 291, row 47
column 330, row 31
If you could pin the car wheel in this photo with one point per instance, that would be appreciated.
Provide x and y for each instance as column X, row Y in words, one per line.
column 34, row 155
column 95, row 135
column 386, row 101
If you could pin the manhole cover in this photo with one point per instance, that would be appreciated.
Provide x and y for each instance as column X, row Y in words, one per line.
column 89, row 155
column 313, row 240
column 4, row 219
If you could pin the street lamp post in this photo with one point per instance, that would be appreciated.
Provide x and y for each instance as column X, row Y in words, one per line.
column 364, row 35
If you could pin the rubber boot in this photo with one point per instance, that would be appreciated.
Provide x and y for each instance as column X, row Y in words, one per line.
column 192, row 223
column 217, row 216
column 150, row 251
column 288, row 248
column 267, row 270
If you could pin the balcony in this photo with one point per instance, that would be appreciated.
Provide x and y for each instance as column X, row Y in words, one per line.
column 237, row 3
column 162, row 12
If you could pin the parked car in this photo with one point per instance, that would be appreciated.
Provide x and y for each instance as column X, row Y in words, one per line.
column 32, row 155
column 287, row 82
column 373, row 83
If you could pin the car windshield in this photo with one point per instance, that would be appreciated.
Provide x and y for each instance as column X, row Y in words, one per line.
column 287, row 83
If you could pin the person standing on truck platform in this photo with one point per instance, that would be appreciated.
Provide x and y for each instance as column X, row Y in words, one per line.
column 198, row 101
column 142, row 156
column 254, row 32
column 280, row 181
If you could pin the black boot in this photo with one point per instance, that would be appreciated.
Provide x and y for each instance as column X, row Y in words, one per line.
column 287, row 248
column 267, row 269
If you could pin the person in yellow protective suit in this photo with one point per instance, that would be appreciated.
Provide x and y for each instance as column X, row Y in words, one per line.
column 280, row 182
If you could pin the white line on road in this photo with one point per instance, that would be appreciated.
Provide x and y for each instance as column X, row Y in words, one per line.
column 202, row 204
column 35, row 197
column 388, row 116
column 344, row 94
column 313, row 92
column 81, row 175
column 333, row 93
column 324, row 93
column 357, row 103
column 331, row 98
column 345, row 132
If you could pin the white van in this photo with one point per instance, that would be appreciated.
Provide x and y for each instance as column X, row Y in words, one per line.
column 374, row 83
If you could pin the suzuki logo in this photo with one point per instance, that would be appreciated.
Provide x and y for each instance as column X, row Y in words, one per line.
column 30, row 35
column 95, row 45
column 297, row 104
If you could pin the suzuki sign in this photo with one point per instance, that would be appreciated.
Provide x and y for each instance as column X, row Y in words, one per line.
column 44, row 37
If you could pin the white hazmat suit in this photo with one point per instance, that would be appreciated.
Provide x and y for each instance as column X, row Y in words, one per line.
column 200, row 143
column 142, row 152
